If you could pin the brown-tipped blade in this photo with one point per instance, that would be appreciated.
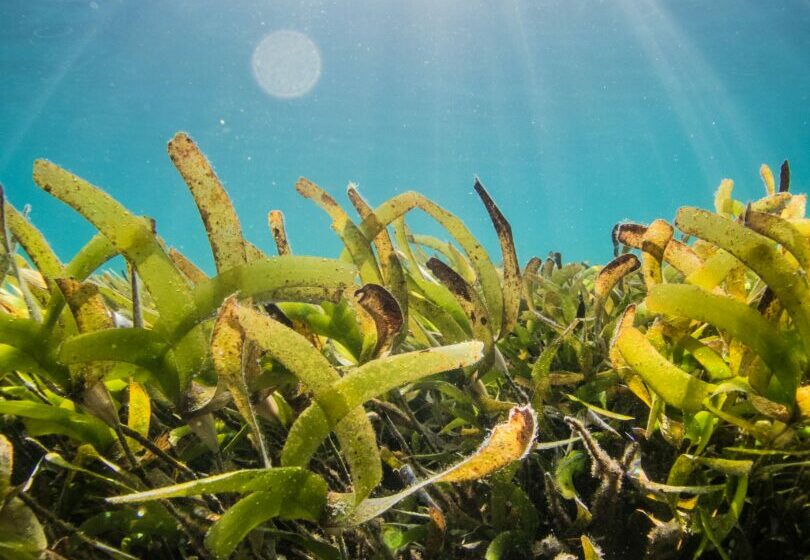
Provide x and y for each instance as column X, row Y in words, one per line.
column 784, row 177
column 275, row 220
column 385, row 311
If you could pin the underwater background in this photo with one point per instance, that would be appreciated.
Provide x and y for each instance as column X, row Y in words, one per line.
column 574, row 114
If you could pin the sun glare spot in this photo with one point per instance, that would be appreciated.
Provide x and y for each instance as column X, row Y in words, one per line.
column 286, row 64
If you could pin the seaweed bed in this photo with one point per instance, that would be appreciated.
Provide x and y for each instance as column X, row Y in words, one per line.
column 409, row 399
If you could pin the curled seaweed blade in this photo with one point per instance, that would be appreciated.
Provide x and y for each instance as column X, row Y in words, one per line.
column 614, row 238
column 440, row 319
column 396, row 207
column 454, row 282
column 356, row 242
column 139, row 244
column 457, row 260
column 429, row 294
column 679, row 389
column 386, row 313
column 630, row 234
column 424, row 293
column 253, row 253
column 565, row 468
column 509, row 441
column 653, row 244
column 86, row 304
column 294, row 352
column 467, row 297
column 90, row 313
column 190, row 270
column 773, row 203
column 795, row 210
column 275, row 220
column 767, row 178
column 390, row 265
column 511, row 267
column 94, row 254
column 368, row 381
column 610, row 275
column 542, row 366
column 33, row 243
column 227, row 350
column 736, row 318
column 682, row 257
column 57, row 420
column 347, row 325
column 131, row 235
column 95, row 346
column 23, row 340
column 723, row 203
column 8, row 259
column 527, row 280
column 759, row 254
column 265, row 280
column 679, row 255
column 137, row 346
column 302, row 499
column 783, row 232
column 714, row 364
column 221, row 223
column 713, row 271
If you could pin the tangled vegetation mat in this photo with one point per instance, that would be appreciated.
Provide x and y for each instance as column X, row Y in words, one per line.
column 409, row 399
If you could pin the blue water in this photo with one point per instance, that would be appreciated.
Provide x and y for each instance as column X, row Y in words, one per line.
column 575, row 114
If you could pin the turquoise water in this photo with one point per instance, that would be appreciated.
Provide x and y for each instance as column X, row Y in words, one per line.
column 574, row 114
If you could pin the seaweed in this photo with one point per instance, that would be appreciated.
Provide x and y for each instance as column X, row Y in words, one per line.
column 416, row 397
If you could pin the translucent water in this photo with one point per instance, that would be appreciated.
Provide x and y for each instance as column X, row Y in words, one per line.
column 574, row 114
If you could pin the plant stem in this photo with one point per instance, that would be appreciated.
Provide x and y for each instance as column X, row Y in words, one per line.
column 157, row 451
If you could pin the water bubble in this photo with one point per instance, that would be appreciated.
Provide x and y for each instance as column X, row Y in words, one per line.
column 286, row 64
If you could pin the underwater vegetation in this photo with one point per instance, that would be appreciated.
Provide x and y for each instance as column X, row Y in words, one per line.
column 409, row 399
